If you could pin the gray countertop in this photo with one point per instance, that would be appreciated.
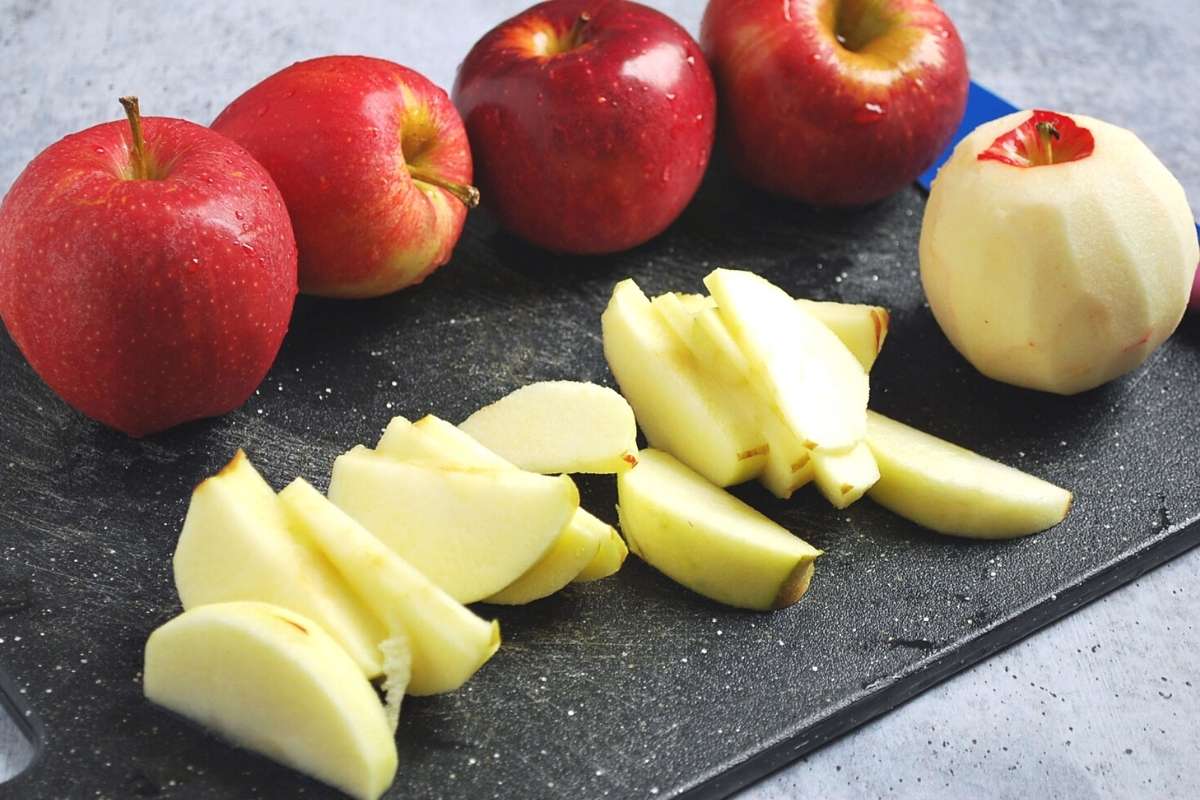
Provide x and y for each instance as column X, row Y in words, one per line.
column 1103, row 703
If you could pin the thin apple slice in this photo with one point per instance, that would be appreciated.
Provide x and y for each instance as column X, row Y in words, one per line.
column 236, row 545
column 861, row 328
column 677, row 409
column 695, row 319
column 272, row 681
column 951, row 490
column 431, row 440
column 845, row 477
column 448, row 642
column 556, row 427
column 708, row 540
column 818, row 386
column 472, row 532
column 609, row 557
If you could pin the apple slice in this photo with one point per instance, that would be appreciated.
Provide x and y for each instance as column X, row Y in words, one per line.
column 845, row 477
column 951, row 490
column 272, row 681
column 861, row 328
column 434, row 441
column 236, row 545
column 472, row 532
column 553, row 427
column 708, row 540
column 818, row 386
column 676, row 407
column 609, row 557
column 448, row 643
column 789, row 464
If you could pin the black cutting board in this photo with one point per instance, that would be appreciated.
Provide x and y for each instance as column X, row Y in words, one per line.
column 633, row 686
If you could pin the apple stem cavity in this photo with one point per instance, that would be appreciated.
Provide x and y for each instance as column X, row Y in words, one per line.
column 467, row 194
column 1046, row 138
column 139, row 164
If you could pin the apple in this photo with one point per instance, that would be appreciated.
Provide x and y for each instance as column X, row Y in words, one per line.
column 373, row 162
column 558, row 426
column 835, row 103
column 435, row 441
column 237, row 544
column 952, row 490
column 862, row 328
column 707, row 540
column 147, row 271
column 471, row 531
column 1056, row 251
column 608, row 559
column 678, row 408
column 591, row 123
column 444, row 641
column 796, row 363
column 844, row 477
column 272, row 681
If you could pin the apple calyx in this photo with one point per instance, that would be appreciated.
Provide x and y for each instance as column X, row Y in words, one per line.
column 140, row 166
column 1045, row 139
column 467, row 194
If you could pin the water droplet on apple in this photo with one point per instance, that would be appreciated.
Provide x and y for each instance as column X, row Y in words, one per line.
column 262, row 110
column 691, row 60
column 671, row 96
column 100, row 151
column 870, row 114
column 666, row 175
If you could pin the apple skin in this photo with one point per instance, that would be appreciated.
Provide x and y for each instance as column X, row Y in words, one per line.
column 599, row 147
column 341, row 136
column 806, row 117
column 147, row 303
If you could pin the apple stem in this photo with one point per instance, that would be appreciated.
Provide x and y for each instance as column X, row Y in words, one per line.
column 465, row 192
column 1048, row 135
column 138, row 167
column 577, row 31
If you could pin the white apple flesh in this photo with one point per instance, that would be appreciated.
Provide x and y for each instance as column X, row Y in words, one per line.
column 1057, row 273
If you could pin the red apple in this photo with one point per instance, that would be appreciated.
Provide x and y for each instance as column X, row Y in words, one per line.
column 591, row 121
column 147, row 271
column 835, row 102
column 374, row 165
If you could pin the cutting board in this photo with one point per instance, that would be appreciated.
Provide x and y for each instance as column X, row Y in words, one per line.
column 632, row 686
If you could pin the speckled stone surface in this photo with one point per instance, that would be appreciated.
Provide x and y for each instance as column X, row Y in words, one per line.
column 1102, row 704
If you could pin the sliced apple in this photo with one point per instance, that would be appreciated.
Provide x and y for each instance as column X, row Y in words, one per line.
column 472, row 532
column 434, row 441
column 708, row 540
column 951, row 490
column 818, row 386
column 448, row 642
column 787, row 466
column 272, row 681
column 677, row 409
column 609, row 557
column 554, row 427
column 845, row 477
column 236, row 545
column 861, row 328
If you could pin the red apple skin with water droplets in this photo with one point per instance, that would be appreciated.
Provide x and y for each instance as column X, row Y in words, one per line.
column 591, row 122
column 830, row 122
column 147, row 303
column 343, row 137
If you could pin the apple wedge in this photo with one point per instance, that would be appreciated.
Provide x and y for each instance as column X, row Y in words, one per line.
column 845, row 477
column 236, row 544
column 583, row 539
column 447, row 642
column 861, row 328
column 951, row 490
column 818, row 386
column 472, row 532
column 609, row 558
column 677, row 408
column 706, row 539
column 554, row 427
column 272, row 681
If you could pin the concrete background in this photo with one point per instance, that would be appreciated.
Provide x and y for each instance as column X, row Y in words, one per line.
column 1102, row 704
